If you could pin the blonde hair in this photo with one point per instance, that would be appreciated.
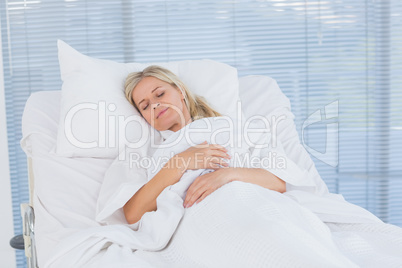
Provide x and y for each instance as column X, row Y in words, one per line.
column 196, row 105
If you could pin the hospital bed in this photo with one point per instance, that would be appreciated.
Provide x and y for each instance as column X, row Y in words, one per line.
column 64, row 190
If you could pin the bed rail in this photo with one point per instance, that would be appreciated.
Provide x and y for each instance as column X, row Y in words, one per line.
column 28, row 220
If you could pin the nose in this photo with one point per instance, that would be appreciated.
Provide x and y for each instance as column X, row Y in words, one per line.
column 156, row 105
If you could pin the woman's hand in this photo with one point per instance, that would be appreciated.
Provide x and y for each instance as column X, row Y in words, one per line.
column 202, row 156
column 206, row 184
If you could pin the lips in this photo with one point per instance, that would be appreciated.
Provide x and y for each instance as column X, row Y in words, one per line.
column 162, row 112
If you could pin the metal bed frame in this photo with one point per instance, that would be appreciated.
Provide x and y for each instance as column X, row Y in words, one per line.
column 28, row 222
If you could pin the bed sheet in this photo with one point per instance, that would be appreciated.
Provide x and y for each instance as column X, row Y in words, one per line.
column 66, row 189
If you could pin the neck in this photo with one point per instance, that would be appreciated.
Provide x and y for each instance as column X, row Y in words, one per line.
column 178, row 126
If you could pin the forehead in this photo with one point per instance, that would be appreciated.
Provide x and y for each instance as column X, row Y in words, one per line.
column 145, row 87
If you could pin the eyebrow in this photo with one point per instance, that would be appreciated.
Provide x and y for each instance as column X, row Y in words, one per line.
column 151, row 93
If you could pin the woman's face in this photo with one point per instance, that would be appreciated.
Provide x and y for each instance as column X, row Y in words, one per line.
column 171, row 110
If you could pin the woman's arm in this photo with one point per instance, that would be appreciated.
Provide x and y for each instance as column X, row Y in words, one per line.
column 209, row 182
column 260, row 177
column 144, row 200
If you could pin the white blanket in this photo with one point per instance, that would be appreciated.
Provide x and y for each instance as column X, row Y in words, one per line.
column 238, row 225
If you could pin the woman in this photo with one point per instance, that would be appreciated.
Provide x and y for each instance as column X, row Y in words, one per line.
column 167, row 104
column 248, row 217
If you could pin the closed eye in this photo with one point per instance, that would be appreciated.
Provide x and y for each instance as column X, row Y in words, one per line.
column 160, row 95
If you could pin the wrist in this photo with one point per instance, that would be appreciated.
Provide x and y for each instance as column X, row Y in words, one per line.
column 233, row 174
column 177, row 163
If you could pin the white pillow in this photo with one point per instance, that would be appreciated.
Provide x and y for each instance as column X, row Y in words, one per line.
column 93, row 91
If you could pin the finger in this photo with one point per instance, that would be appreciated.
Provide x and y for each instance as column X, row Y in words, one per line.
column 219, row 161
column 205, row 194
column 221, row 154
column 189, row 194
column 188, row 199
column 196, row 196
column 192, row 189
column 218, row 147
column 203, row 144
column 213, row 165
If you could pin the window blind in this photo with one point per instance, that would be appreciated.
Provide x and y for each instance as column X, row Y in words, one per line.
column 339, row 62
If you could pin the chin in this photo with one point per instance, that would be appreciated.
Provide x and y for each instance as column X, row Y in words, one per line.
column 163, row 127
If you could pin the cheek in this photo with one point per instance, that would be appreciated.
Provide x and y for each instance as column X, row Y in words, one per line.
column 176, row 100
column 148, row 115
column 145, row 115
